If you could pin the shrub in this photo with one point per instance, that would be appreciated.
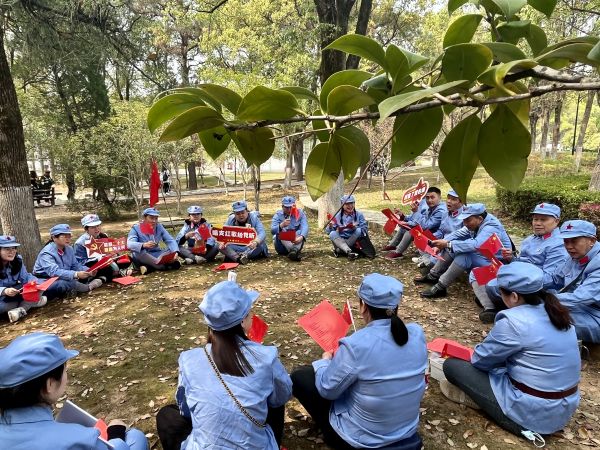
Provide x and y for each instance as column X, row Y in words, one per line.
column 591, row 213
column 568, row 192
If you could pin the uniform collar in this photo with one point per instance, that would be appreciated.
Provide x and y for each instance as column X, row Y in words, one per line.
column 59, row 251
column 30, row 414
column 591, row 254
column 455, row 213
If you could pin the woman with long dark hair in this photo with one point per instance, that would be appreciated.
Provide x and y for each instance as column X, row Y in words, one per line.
column 526, row 372
column 368, row 394
column 231, row 392
column 13, row 277
column 348, row 231
column 33, row 376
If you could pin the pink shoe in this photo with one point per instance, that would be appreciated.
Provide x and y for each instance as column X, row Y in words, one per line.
column 393, row 255
column 387, row 248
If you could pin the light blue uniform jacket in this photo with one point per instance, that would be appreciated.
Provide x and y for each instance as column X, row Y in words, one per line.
column 375, row 384
column 361, row 226
column 15, row 281
column 450, row 223
column 583, row 297
column 34, row 428
column 429, row 218
column 187, row 227
column 524, row 345
column 254, row 221
column 135, row 240
column 51, row 264
column 300, row 225
column 217, row 421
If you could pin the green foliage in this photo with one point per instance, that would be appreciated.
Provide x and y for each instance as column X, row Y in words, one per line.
column 362, row 46
column 262, row 103
column 568, row 192
column 413, row 134
column 462, row 30
column 465, row 61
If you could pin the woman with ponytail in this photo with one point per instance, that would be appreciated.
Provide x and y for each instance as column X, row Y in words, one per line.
column 526, row 372
column 368, row 394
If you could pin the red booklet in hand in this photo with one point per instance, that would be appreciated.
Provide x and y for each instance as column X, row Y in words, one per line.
column 325, row 325
column 287, row 235
column 105, row 261
column 166, row 258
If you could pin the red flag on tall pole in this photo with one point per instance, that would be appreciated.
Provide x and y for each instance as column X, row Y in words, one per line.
column 154, row 184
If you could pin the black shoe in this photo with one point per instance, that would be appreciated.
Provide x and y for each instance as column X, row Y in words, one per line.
column 175, row 265
column 435, row 291
column 294, row 255
column 487, row 315
column 243, row 259
column 352, row 256
column 425, row 279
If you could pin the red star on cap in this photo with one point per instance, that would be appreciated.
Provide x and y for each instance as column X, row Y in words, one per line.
column 569, row 226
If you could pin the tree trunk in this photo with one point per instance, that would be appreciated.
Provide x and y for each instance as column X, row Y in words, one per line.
column 299, row 160
column 595, row 181
column 584, row 123
column 17, row 216
column 287, row 180
column 361, row 28
column 330, row 202
column 556, row 128
column 533, row 120
column 256, row 185
column 192, row 180
column 545, row 126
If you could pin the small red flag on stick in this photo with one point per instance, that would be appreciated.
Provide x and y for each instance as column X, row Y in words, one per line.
column 154, row 184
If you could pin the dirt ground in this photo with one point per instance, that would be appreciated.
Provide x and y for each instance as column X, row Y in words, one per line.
column 130, row 338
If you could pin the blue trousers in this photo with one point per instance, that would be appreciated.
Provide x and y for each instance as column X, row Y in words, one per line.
column 283, row 248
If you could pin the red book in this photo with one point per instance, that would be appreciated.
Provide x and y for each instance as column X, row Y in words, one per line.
column 226, row 266
column 258, row 330
column 166, row 258
column 287, row 235
column 147, row 228
column 448, row 347
column 126, row 281
column 389, row 227
column 325, row 325
column 105, row 261
column 101, row 425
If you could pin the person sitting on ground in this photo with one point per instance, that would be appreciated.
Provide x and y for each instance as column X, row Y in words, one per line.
column 241, row 217
column 544, row 249
column 57, row 259
column 525, row 373
column 13, row 277
column 232, row 392
column 577, row 283
column 349, row 232
column 450, row 223
column 429, row 216
column 33, row 178
column 289, row 218
column 197, row 249
column 33, row 377
column 144, row 240
column 479, row 225
column 367, row 394
column 91, row 224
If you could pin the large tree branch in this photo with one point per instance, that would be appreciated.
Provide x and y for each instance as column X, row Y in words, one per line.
column 458, row 100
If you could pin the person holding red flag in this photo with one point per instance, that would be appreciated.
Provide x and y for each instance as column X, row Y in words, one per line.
column 143, row 240
column 13, row 276
column 241, row 217
column 196, row 244
column 349, row 232
column 289, row 228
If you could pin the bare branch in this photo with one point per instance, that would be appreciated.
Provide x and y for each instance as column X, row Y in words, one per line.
column 213, row 9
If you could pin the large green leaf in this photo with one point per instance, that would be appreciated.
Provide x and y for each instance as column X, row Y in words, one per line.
column 191, row 122
column 578, row 40
column 462, row 30
column 505, row 52
column 360, row 141
column 226, row 97
column 170, row 106
column 594, row 53
column 322, row 170
column 215, row 141
column 201, row 94
column 398, row 66
column 458, row 155
column 263, row 103
column 572, row 52
column 519, row 107
column 363, row 46
column 465, row 61
column 397, row 102
column 513, row 31
column 503, row 147
column 256, row 146
column 349, row 77
column 343, row 100
column 415, row 61
column 414, row 133
column 301, row 92
column 348, row 153
column 536, row 38
column 494, row 76
column 510, row 7
column 543, row 6
column 320, row 127
column 453, row 5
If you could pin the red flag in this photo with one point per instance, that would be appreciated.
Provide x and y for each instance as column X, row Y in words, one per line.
column 491, row 246
column 389, row 227
column 347, row 314
column 204, row 232
column 294, row 212
column 258, row 330
column 146, row 228
column 154, row 184
column 30, row 292
column 483, row 275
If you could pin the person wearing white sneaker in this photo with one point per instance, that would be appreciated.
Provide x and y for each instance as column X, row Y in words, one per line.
column 13, row 276
column 525, row 374
column 57, row 259
column 192, row 247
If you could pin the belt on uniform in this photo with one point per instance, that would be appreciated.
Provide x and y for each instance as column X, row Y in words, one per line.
column 543, row 394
